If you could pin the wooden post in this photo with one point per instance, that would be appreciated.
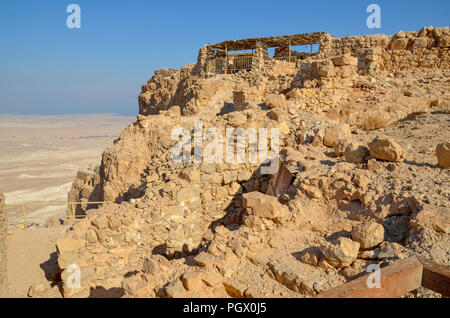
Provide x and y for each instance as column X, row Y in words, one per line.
column 24, row 217
column 397, row 279
column 73, row 212
column 436, row 277
column 226, row 59
column 289, row 51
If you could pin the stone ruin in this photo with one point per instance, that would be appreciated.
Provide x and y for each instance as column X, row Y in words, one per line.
column 335, row 66
column 350, row 190
column 216, row 58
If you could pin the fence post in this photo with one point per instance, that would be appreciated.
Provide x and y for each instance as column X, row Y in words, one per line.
column 24, row 217
column 289, row 51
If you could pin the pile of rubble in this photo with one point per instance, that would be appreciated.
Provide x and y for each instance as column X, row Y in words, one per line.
column 362, row 177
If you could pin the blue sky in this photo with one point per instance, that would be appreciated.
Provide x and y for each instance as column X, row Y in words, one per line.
column 47, row 68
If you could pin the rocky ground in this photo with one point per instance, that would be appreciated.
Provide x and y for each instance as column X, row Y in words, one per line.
column 362, row 179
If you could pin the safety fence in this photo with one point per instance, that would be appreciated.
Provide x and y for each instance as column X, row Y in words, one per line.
column 72, row 215
column 292, row 59
column 233, row 64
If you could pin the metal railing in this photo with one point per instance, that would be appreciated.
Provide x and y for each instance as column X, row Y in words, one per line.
column 72, row 216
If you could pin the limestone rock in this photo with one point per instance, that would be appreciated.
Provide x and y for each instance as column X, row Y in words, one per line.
column 420, row 43
column 276, row 101
column 368, row 234
column 342, row 253
column 212, row 278
column 444, row 41
column 298, row 277
column 332, row 135
column 68, row 244
column 246, row 99
column 399, row 44
column 339, row 147
column 385, row 149
column 265, row 206
column 175, row 289
column 204, row 259
column 346, row 59
column 432, row 217
column 443, row 154
column 136, row 286
column 192, row 281
column 391, row 250
column 356, row 153
column 191, row 174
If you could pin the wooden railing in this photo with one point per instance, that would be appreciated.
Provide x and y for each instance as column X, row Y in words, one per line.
column 292, row 59
column 232, row 64
column 72, row 215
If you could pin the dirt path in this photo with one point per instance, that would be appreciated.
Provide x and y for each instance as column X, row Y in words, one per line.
column 31, row 258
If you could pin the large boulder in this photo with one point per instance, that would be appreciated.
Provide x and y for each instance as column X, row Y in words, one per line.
column 443, row 154
column 420, row 43
column 385, row 149
column 68, row 244
column 339, row 147
column 368, row 234
column 432, row 217
column 275, row 101
column 356, row 153
column 345, row 59
column 265, row 206
column 246, row 99
column 399, row 44
column 444, row 41
column 342, row 253
column 340, row 132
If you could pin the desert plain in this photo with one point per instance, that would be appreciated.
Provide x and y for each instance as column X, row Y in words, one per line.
column 39, row 159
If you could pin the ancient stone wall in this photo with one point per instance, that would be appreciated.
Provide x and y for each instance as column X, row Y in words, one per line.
column 425, row 48
column 3, row 235
column 340, row 59
column 85, row 188
column 334, row 66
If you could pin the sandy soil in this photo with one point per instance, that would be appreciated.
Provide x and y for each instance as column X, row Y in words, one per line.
column 40, row 156
column 32, row 259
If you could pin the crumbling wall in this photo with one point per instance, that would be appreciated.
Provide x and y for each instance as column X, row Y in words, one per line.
column 177, row 209
column 425, row 48
column 340, row 59
column 3, row 235
column 183, row 88
column 85, row 188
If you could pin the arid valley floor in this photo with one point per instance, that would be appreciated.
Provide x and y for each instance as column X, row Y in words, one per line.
column 39, row 158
